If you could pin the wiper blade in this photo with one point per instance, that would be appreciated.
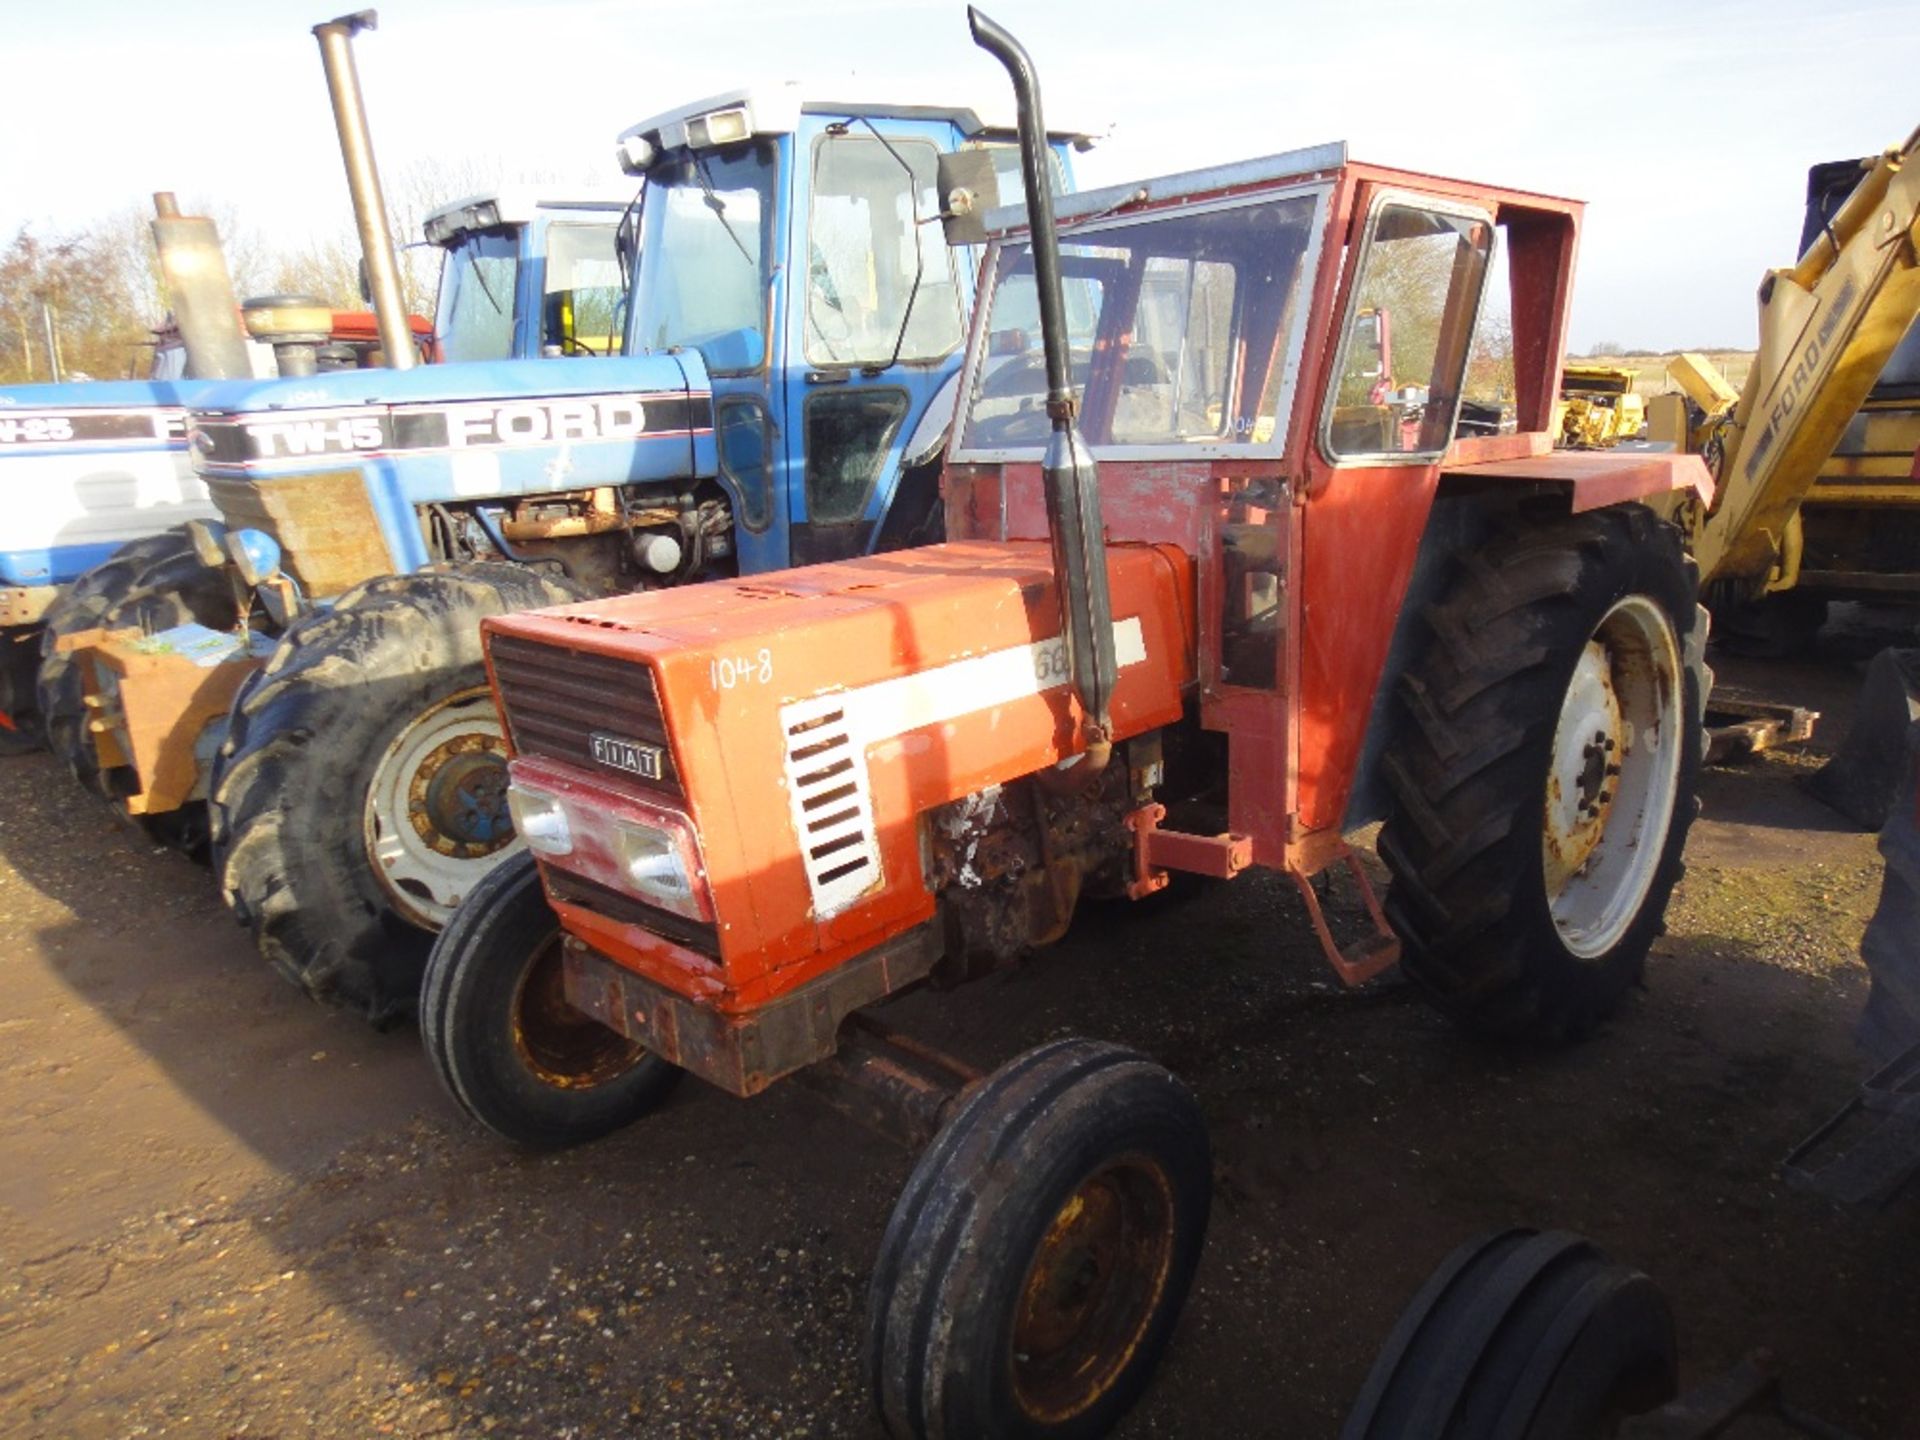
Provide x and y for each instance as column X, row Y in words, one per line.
column 718, row 206
column 480, row 276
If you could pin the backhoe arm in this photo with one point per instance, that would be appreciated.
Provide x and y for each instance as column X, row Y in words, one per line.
column 1827, row 328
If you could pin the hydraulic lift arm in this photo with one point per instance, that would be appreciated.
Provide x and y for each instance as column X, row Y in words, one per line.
column 1827, row 328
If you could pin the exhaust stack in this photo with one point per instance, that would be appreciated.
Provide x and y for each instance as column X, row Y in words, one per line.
column 1072, row 481
column 363, row 182
column 194, row 270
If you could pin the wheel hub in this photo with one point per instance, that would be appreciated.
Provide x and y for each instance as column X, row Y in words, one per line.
column 1092, row 1289
column 436, row 816
column 1581, row 786
column 1614, row 768
column 458, row 797
column 562, row 1045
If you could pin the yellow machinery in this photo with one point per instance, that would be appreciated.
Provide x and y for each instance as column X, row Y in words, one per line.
column 1598, row 407
column 1795, row 455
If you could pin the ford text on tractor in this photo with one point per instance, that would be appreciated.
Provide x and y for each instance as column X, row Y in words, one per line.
column 791, row 326
column 1206, row 603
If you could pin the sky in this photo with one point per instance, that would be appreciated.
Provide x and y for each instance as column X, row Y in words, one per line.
column 1688, row 128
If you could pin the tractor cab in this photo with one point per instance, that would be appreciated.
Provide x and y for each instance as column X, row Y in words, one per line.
column 793, row 245
column 523, row 276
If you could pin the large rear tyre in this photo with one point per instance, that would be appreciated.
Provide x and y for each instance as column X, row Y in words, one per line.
column 1521, row 1336
column 1544, row 777
column 1036, row 1262
column 503, row 1040
column 361, row 791
column 149, row 584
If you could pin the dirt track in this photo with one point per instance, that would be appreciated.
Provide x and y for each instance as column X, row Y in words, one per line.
column 226, row 1212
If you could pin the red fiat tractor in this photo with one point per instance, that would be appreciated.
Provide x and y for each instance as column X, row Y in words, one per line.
column 1206, row 606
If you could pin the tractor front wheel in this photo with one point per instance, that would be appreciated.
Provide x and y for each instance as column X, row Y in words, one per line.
column 1544, row 779
column 501, row 1036
column 360, row 794
column 1036, row 1262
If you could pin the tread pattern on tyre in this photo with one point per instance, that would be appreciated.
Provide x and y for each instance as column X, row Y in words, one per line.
column 289, row 783
column 931, row 1258
column 1467, row 774
column 459, row 1043
column 153, row 582
column 1519, row 1335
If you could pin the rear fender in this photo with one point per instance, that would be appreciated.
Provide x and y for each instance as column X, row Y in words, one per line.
column 1592, row 479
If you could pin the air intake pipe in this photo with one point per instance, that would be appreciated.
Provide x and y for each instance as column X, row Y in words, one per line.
column 194, row 270
column 1072, row 482
column 363, row 183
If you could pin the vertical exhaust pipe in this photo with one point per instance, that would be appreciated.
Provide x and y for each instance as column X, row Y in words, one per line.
column 363, row 182
column 193, row 268
column 1072, row 482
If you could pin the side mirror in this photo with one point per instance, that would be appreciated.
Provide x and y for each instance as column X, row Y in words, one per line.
column 969, row 188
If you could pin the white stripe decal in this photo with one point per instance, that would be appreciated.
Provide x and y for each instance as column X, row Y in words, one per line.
column 836, row 729
column 893, row 707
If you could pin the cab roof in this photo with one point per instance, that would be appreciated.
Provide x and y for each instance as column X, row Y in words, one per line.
column 1322, row 162
column 517, row 205
column 776, row 110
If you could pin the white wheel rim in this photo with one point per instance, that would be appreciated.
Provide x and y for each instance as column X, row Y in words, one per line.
column 1615, row 768
column 436, row 819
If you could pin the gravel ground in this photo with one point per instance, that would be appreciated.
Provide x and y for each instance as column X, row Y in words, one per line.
column 225, row 1212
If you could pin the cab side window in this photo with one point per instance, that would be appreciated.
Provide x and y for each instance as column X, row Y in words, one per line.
column 1406, row 345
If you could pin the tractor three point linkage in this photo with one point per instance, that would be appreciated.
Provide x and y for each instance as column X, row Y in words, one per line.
column 1207, row 603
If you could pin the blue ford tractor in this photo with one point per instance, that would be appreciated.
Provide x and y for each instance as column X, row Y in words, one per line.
column 99, row 479
column 791, row 324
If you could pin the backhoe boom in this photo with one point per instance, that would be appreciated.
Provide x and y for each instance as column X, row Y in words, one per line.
column 1827, row 329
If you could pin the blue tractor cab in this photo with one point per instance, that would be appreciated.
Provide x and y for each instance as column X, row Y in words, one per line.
column 524, row 275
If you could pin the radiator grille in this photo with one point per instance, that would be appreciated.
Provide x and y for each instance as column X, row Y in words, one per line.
column 328, row 534
column 557, row 697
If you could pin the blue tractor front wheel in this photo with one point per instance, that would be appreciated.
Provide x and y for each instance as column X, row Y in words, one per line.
column 359, row 794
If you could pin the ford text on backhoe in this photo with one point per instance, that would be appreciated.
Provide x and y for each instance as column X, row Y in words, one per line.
column 1204, row 606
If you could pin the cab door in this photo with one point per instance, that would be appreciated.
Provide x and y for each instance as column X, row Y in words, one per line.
column 875, row 324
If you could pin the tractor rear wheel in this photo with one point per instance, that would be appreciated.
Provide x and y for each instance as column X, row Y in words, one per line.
column 1036, row 1262
column 149, row 584
column 1544, row 780
column 361, row 790
column 1521, row 1336
column 503, row 1040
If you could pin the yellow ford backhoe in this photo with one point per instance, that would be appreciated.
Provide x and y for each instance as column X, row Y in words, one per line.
column 1817, row 492
column 1789, row 511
